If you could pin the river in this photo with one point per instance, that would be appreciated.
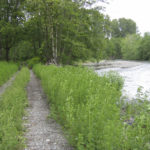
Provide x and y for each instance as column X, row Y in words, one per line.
column 134, row 76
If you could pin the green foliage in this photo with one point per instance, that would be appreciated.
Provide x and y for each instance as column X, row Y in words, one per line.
column 137, row 122
column 6, row 71
column 144, row 48
column 33, row 61
column 122, row 27
column 115, row 79
column 90, row 109
column 60, row 31
column 12, row 104
column 11, row 19
column 112, row 49
column 130, row 47
column 65, row 31
column 85, row 104
column 22, row 51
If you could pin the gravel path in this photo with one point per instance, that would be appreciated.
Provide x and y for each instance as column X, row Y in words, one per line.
column 7, row 84
column 42, row 133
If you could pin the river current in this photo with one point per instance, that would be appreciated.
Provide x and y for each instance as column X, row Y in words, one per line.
column 134, row 77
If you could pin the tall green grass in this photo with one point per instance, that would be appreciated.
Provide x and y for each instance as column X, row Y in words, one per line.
column 85, row 104
column 91, row 112
column 12, row 104
column 6, row 71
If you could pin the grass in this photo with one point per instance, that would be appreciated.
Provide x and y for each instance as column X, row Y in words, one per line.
column 136, row 119
column 90, row 110
column 85, row 104
column 6, row 71
column 12, row 104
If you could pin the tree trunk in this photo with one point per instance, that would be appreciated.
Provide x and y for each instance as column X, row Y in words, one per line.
column 53, row 46
column 34, row 45
column 7, row 53
column 56, row 49
column 39, row 43
column 0, row 47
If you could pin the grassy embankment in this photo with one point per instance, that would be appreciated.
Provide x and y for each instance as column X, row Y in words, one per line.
column 12, row 104
column 89, row 108
column 6, row 71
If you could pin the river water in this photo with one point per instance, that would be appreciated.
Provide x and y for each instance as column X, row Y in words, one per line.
column 134, row 77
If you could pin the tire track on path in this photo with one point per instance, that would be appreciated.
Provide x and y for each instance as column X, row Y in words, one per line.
column 42, row 133
column 7, row 84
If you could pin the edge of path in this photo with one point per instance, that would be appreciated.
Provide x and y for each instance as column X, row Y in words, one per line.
column 43, row 133
column 8, row 83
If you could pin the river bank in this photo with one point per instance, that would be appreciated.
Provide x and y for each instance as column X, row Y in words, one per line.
column 112, row 64
column 135, row 74
column 89, row 109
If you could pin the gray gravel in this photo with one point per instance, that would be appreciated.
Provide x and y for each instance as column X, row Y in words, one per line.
column 42, row 132
column 7, row 84
column 113, row 64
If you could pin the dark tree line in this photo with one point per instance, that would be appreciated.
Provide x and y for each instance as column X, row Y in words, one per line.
column 63, row 31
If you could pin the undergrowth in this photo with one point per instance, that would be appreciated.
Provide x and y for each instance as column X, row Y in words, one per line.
column 12, row 104
column 90, row 110
column 6, row 71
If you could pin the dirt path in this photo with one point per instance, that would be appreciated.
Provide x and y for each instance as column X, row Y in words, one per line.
column 7, row 84
column 42, row 133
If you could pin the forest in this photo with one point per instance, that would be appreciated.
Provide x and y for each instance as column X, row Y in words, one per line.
column 65, row 32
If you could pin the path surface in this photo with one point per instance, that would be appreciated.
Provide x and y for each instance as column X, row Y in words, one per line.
column 42, row 133
column 7, row 84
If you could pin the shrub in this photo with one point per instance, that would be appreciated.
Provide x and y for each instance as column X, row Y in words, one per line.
column 22, row 51
column 115, row 79
column 33, row 61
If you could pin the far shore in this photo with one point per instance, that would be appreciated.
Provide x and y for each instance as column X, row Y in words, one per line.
column 112, row 64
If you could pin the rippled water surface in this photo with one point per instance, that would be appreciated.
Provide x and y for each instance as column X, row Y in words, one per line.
column 133, row 77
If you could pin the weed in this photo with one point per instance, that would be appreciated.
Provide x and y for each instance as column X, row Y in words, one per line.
column 90, row 110
column 6, row 71
column 85, row 104
column 12, row 103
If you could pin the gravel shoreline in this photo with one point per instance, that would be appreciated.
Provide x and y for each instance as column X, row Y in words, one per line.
column 112, row 64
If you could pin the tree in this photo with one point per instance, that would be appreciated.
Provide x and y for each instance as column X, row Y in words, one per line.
column 130, row 47
column 58, row 31
column 122, row 27
column 67, row 30
column 22, row 51
column 115, row 29
column 144, row 48
column 113, row 48
column 11, row 17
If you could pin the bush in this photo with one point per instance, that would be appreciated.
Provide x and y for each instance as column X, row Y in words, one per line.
column 115, row 79
column 22, row 51
column 33, row 61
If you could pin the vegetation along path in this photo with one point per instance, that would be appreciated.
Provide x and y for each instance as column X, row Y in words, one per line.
column 7, row 84
column 42, row 133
